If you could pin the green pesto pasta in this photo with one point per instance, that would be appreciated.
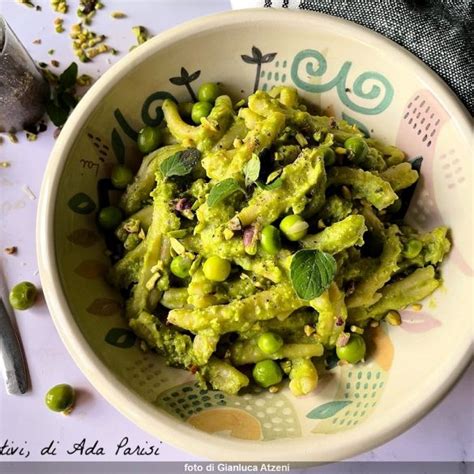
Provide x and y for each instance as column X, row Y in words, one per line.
column 259, row 238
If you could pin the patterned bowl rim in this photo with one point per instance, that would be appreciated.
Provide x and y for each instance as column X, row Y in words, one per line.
column 160, row 424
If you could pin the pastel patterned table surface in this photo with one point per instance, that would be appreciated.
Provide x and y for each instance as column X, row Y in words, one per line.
column 445, row 434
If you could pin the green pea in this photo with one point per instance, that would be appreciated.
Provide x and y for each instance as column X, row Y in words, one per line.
column 149, row 139
column 270, row 239
column 180, row 266
column 269, row 342
column 294, row 227
column 357, row 148
column 23, row 295
column 267, row 373
column 200, row 110
column 412, row 249
column 208, row 92
column 185, row 109
column 60, row 398
column 353, row 351
column 121, row 176
column 329, row 156
column 109, row 217
column 216, row 268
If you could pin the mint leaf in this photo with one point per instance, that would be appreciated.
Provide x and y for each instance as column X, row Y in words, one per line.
column 222, row 190
column 273, row 185
column 181, row 163
column 68, row 77
column 252, row 170
column 57, row 114
column 311, row 273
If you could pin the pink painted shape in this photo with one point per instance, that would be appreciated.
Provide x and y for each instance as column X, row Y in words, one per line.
column 418, row 322
column 419, row 130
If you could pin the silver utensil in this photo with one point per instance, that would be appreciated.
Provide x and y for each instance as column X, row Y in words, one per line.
column 12, row 360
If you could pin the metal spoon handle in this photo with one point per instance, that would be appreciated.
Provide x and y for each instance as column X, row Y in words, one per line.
column 11, row 356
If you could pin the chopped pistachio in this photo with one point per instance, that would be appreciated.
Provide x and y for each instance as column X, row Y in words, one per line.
column 301, row 139
column 346, row 193
column 118, row 15
column 237, row 143
column 393, row 318
column 273, row 389
column 55, row 63
column 177, row 246
column 340, row 150
column 51, row 52
column 31, row 137
column 357, row 329
column 141, row 34
column 228, row 234
column 4, row 164
column 36, row 41
column 12, row 137
column 11, row 250
column 27, row 3
column 239, row 104
column 417, row 307
column 59, row 6
column 84, row 80
column 58, row 25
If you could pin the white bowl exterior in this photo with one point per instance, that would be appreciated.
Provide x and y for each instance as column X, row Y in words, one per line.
column 426, row 364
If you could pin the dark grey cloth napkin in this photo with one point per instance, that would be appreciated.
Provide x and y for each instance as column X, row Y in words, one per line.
column 439, row 32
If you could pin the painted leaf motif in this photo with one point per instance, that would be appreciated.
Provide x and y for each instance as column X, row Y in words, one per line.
column 83, row 237
column 91, row 269
column 257, row 54
column 118, row 146
column 81, row 203
column 178, row 81
column 120, row 337
column 418, row 322
column 327, row 410
column 248, row 59
column 194, row 76
column 124, row 125
column 184, row 72
column 268, row 58
column 158, row 96
column 104, row 307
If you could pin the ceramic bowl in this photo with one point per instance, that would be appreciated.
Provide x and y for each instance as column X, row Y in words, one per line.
column 347, row 71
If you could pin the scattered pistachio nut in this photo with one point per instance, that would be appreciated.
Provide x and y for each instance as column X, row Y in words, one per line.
column 59, row 6
column 12, row 137
column 27, row 3
column 11, row 250
column 118, row 15
column 31, row 137
column 357, row 329
column 393, row 318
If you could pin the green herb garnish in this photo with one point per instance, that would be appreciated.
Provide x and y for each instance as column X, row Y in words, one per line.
column 63, row 96
column 181, row 163
column 222, row 190
column 311, row 273
column 252, row 170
